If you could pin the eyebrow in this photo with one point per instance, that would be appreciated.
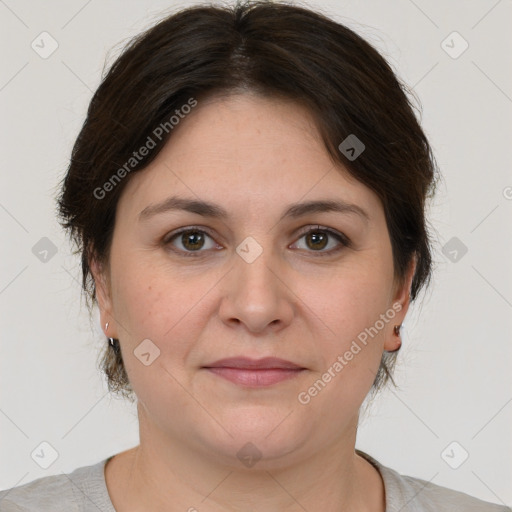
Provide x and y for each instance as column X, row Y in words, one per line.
column 215, row 211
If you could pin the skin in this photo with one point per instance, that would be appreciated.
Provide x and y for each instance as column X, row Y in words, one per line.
column 253, row 156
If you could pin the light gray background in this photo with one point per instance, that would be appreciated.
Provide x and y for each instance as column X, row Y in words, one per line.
column 454, row 369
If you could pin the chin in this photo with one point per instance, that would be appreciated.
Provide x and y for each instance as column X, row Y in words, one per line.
column 258, row 440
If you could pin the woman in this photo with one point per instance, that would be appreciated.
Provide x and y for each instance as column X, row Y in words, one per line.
column 248, row 198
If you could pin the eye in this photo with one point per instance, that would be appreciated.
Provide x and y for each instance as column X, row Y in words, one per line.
column 318, row 238
column 190, row 240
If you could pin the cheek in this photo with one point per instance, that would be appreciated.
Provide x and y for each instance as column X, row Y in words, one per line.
column 349, row 308
column 350, row 300
column 152, row 308
column 139, row 307
column 154, row 301
column 147, row 299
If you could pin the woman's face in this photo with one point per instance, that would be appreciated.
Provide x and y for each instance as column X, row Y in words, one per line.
column 250, row 284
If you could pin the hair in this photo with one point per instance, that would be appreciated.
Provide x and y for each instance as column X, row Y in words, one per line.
column 271, row 49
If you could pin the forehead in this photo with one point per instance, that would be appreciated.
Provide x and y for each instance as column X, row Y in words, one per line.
column 250, row 130
column 239, row 148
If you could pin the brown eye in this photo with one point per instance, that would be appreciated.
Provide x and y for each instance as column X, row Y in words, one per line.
column 190, row 241
column 318, row 238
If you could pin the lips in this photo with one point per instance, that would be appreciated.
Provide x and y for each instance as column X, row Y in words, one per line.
column 254, row 372
column 265, row 363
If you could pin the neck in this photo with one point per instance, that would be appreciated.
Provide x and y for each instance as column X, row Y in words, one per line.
column 160, row 473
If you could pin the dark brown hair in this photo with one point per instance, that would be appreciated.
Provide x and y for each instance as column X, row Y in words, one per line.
column 269, row 48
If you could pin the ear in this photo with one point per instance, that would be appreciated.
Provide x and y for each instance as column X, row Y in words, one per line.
column 103, row 296
column 400, row 304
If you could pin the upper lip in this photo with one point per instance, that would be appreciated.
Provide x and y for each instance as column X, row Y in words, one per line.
column 254, row 364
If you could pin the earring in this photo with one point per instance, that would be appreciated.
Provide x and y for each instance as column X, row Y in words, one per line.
column 110, row 340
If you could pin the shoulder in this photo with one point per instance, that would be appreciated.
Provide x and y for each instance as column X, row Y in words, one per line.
column 409, row 494
column 421, row 495
column 82, row 490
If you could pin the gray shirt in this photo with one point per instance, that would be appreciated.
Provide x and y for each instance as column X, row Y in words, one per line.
column 85, row 490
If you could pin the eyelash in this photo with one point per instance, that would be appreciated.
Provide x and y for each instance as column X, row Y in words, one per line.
column 344, row 241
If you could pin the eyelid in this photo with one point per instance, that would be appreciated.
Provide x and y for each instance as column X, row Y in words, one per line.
column 331, row 231
column 342, row 238
column 344, row 241
column 169, row 236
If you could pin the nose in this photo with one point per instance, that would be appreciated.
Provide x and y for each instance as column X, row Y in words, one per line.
column 257, row 295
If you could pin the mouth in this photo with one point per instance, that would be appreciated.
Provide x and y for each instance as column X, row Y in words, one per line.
column 254, row 372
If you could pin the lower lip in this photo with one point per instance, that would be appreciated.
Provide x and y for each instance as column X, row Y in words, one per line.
column 255, row 378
